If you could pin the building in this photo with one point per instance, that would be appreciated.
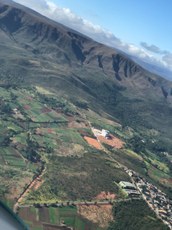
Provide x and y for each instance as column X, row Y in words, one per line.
column 105, row 133
column 127, row 185
column 129, row 188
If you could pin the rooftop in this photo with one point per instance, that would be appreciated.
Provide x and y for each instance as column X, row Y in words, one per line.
column 125, row 184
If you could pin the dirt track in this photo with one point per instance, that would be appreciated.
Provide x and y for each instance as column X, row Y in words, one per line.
column 36, row 183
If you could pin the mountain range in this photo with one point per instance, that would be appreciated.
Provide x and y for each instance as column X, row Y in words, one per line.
column 92, row 78
column 38, row 50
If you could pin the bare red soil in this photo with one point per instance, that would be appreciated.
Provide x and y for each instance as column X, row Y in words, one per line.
column 50, row 130
column 34, row 185
column 112, row 141
column 26, row 107
column 105, row 196
column 42, row 131
column 93, row 142
column 38, row 183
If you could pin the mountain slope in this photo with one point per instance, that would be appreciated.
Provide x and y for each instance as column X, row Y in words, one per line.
column 37, row 50
column 43, row 63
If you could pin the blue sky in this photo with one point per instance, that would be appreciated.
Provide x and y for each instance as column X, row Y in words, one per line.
column 139, row 27
column 133, row 21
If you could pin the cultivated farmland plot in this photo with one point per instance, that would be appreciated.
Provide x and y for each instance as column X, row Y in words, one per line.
column 40, row 218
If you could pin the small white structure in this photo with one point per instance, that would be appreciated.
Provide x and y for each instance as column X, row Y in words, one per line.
column 15, row 111
column 127, row 185
column 105, row 133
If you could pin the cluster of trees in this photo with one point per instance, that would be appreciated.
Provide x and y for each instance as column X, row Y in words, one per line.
column 57, row 104
column 32, row 149
column 158, row 146
column 67, row 178
column 137, row 144
column 82, row 104
column 6, row 108
column 134, row 215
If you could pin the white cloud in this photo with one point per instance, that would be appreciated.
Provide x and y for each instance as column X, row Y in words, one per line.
column 96, row 32
column 153, row 48
column 168, row 59
column 165, row 56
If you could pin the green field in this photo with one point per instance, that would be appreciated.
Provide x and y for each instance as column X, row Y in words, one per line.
column 17, row 128
column 55, row 216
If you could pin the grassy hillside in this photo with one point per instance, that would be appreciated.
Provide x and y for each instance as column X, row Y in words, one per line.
column 78, row 178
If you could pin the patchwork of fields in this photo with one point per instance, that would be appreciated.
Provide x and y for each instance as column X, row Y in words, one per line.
column 40, row 128
column 41, row 218
column 40, row 131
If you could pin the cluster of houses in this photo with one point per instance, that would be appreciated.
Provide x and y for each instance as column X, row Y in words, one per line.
column 155, row 198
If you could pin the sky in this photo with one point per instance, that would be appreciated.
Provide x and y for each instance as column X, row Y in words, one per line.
column 141, row 28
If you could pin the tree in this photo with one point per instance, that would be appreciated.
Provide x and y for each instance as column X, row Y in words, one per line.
column 6, row 108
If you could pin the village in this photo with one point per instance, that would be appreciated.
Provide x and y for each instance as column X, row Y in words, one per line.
column 154, row 197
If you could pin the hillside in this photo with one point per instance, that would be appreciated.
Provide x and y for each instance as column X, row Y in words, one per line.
column 36, row 50
column 58, row 89
column 46, row 160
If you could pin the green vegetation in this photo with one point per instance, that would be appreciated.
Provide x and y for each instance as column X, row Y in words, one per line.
column 35, row 123
column 131, row 159
column 134, row 215
column 35, row 131
column 56, row 103
column 56, row 216
column 22, row 113
column 78, row 178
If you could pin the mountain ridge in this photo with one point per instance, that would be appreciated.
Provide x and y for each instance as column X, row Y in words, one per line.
column 71, row 63
column 47, row 31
